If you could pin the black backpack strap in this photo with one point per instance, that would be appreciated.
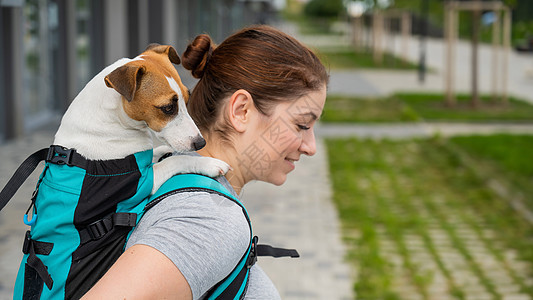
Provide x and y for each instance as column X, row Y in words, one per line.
column 100, row 228
column 53, row 154
column 20, row 175
column 33, row 247
column 267, row 250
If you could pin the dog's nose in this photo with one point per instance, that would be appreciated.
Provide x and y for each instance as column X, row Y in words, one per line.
column 198, row 143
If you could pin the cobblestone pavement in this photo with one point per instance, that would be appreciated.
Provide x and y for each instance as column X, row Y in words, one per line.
column 457, row 251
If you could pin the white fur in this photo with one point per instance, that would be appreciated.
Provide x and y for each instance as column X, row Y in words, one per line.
column 185, row 164
column 97, row 126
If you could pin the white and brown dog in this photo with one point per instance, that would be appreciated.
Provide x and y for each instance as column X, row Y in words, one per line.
column 128, row 102
column 98, row 174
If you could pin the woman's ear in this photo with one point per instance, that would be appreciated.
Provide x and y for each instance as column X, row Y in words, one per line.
column 240, row 108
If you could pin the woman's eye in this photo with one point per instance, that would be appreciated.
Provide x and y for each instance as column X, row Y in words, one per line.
column 303, row 127
column 168, row 109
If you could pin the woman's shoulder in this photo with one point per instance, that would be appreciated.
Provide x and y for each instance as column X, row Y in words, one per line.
column 188, row 210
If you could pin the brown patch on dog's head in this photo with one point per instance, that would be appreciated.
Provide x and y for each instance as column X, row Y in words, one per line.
column 147, row 86
column 164, row 49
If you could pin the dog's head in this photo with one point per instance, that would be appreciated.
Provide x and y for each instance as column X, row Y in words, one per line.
column 152, row 92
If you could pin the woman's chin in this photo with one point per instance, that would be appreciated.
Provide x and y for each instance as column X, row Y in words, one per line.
column 278, row 180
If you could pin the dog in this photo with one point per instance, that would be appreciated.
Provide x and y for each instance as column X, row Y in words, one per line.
column 127, row 103
column 101, row 170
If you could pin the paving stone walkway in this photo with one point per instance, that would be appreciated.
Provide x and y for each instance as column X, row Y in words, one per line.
column 418, row 130
column 474, row 267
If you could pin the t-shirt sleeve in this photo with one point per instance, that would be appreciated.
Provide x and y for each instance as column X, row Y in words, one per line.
column 204, row 235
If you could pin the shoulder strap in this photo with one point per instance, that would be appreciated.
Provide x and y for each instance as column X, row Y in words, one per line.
column 20, row 175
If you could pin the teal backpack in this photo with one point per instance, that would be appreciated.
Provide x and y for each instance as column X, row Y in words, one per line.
column 83, row 212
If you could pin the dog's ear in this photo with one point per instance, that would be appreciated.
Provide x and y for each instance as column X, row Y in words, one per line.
column 125, row 80
column 165, row 49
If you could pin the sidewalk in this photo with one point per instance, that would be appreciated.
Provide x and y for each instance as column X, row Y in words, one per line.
column 417, row 130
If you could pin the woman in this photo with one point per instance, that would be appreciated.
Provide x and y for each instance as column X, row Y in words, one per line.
column 259, row 95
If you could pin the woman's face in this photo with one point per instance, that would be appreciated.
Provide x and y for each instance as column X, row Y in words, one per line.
column 277, row 141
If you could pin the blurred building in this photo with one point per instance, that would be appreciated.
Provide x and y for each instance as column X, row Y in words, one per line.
column 49, row 49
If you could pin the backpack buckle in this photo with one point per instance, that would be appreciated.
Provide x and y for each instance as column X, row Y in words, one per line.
column 98, row 229
column 63, row 157
column 252, row 257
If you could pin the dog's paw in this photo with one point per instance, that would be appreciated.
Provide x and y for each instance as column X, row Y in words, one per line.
column 212, row 167
column 160, row 151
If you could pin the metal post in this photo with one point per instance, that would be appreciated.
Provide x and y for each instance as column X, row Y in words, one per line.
column 97, row 36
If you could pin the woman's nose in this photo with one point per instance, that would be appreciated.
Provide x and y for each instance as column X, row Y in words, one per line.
column 308, row 146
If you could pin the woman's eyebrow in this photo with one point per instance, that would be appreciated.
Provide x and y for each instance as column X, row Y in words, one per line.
column 309, row 114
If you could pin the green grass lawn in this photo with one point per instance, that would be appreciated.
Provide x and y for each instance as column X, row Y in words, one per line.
column 349, row 109
column 349, row 58
column 428, row 107
column 406, row 207
column 509, row 156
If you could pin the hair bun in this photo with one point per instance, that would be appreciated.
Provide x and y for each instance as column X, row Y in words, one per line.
column 197, row 55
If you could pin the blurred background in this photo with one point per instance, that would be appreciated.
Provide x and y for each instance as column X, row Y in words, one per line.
column 423, row 186
column 51, row 49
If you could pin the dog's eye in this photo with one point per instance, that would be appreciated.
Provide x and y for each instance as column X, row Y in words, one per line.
column 169, row 109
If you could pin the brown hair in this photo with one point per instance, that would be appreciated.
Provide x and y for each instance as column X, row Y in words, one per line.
column 264, row 61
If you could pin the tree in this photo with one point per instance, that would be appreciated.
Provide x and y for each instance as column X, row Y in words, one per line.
column 324, row 8
column 476, row 18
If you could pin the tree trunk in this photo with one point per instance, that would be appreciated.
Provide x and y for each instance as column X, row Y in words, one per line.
column 476, row 16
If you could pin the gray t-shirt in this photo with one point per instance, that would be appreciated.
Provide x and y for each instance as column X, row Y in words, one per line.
column 204, row 235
